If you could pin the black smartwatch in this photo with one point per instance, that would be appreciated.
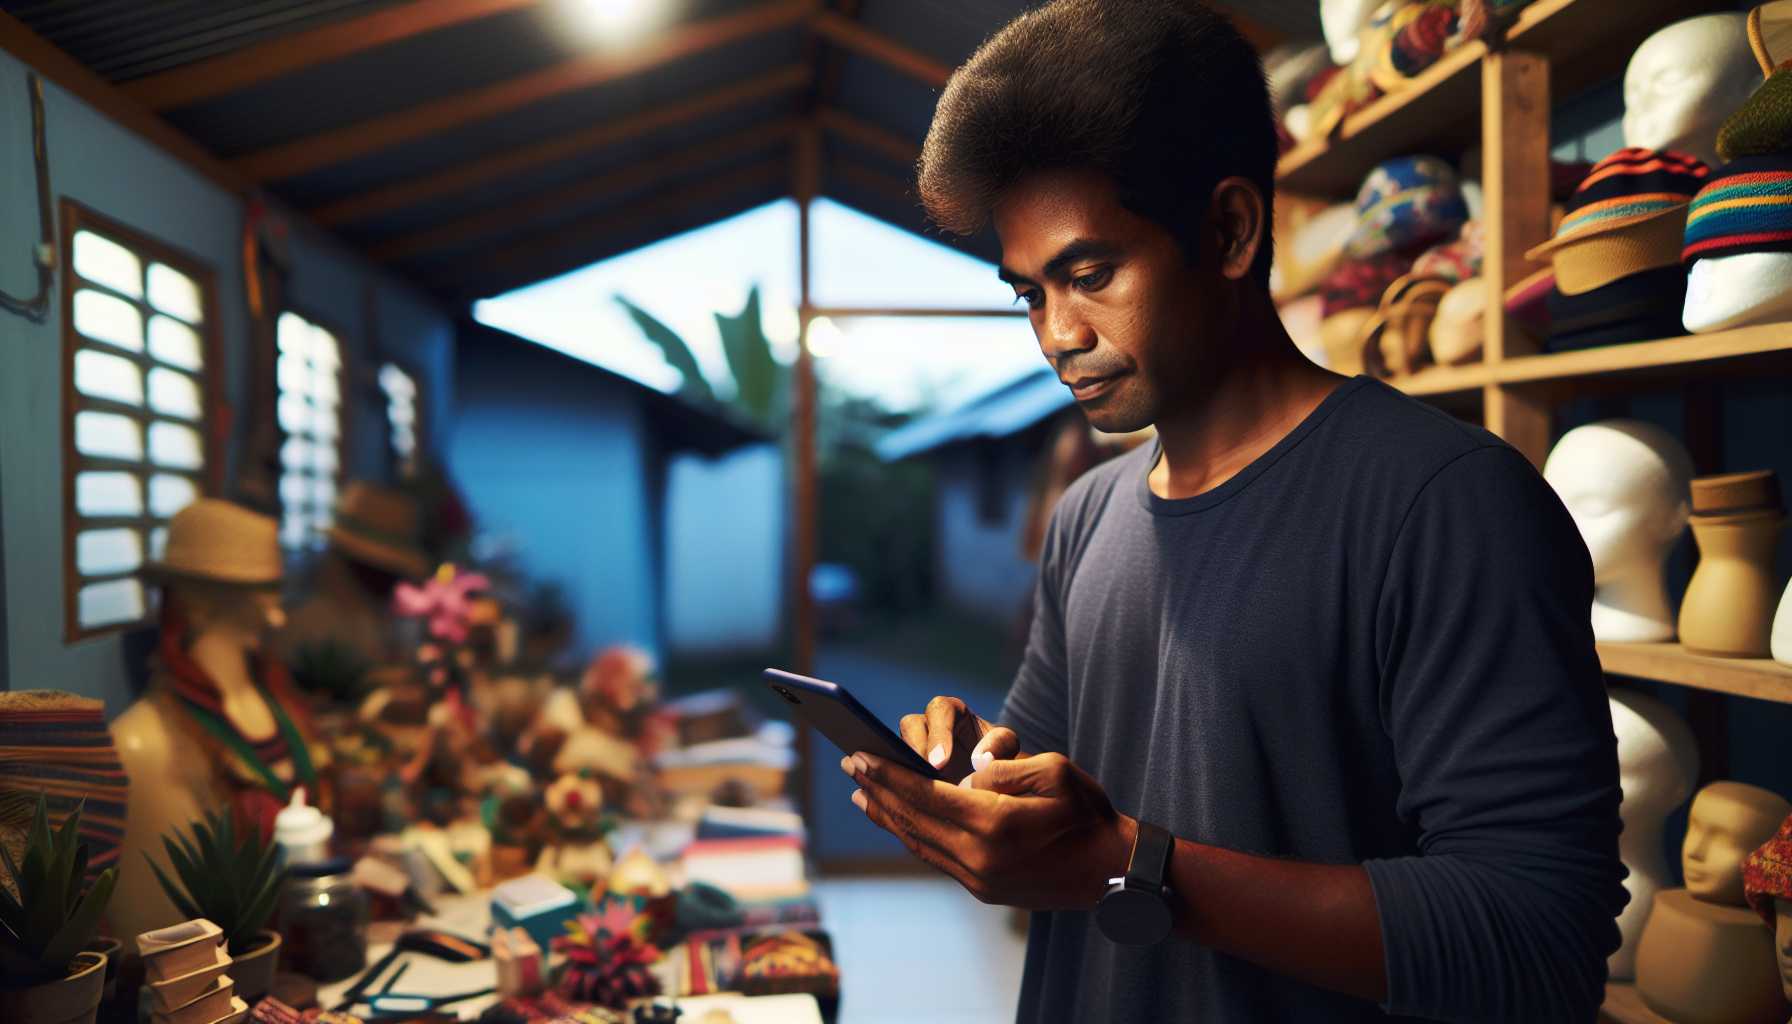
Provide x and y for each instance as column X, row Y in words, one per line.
column 1136, row 909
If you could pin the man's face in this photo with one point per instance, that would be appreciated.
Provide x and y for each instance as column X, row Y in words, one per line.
column 1123, row 318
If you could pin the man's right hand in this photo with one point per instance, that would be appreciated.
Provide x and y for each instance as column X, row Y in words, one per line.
column 953, row 739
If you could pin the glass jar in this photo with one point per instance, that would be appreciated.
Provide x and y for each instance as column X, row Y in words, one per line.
column 323, row 918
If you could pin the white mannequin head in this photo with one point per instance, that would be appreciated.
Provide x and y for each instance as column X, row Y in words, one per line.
column 1685, row 80
column 1735, row 291
column 1341, row 20
column 1658, row 766
column 1626, row 485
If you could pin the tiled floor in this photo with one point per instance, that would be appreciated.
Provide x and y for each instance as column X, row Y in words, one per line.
column 920, row 949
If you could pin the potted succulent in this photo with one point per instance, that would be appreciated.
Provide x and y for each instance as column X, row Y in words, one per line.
column 234, row 882
column 48, row 913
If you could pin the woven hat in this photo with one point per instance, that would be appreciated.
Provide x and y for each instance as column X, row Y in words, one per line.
column 1767, row 872
column 377, row 526
column 1406, row 203
column 1395, row 339
column 1635, row 308
column 1745, row 207
column 1622, row 218
column 1458, row 328
column 1763, row 124
column 1355, row 284
column 218, row 541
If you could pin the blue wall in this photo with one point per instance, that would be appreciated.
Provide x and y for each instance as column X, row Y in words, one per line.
column 978, row 563
column 127, row 179
column 555, row 461
column 725, row 551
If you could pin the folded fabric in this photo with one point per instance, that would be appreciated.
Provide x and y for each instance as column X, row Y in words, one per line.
column 1635, row 308
column 57, row 744
column 1408, row 202
column 1745, row 207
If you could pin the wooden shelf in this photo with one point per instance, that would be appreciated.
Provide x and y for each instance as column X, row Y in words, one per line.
column 1585, row 41
column 1761, row 678
column 1624, row 1006
column 1751, row 349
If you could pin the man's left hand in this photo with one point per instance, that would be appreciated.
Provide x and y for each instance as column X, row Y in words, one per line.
column 1035, row 832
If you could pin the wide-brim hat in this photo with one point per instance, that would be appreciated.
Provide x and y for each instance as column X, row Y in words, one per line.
column 377, row 526
column 1767, row 872
column 1745, row 207
column 1640, row 307
column 217, row 541
column 1458, row 329
column 1621, row 216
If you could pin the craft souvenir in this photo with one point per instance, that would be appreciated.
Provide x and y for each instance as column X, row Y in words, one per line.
column 1704, row 957
column 373, row 545
column 578, row 854
column 1424, row 30
column 1739, row 231
column 605, row 967
column 1767, row 885
column 1685, row 80
column 1729, row 603
column 1626, row 485
column 1626, row 217
column 219, row 726
column 1459, row 326
column 1395, row 340
column 1658, row 765
column 1405, row 205
column 56, row 744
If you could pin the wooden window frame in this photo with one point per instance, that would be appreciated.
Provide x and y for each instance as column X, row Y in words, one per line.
column 75, row 217
column 420, row 423
column 345, row 417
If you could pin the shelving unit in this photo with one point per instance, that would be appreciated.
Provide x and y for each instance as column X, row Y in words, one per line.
column 1553, row 47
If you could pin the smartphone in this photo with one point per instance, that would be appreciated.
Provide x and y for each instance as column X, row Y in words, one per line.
column 844, row 721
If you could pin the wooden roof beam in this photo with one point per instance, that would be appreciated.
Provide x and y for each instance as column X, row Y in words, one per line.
column 846, row 126
column 472, row 173
column 343, row 144
column 240, row 69
column 671, row 166
column 517, row 256
column 853, row 36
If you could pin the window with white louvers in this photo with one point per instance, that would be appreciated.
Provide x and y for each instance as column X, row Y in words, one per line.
column 310, row 382
column 139, row 344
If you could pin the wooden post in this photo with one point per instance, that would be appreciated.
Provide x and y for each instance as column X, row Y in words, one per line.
column 805, row 179
column 1515, row 180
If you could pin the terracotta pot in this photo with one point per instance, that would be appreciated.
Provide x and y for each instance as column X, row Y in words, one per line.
column 74, row 999
column 253, row 971
column 113, row 951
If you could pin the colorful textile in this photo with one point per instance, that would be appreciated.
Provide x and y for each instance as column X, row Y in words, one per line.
column 1763, row 124
column 1457, row 260
column 57, row 744
column 1745, row 207
column 1629, row 185
column 1406, row 203
column 1358, row 283
column 1767, row 872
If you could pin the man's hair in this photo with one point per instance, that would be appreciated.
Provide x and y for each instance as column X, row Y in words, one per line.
column 1162, row 96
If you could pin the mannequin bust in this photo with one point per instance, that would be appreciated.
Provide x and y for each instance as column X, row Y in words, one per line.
column 1658, row 765
column 1781, row 643
column 1735, row 291
column 220, row 574
column 1685, row 80
column 1704, row 956
column 1341, row 20
column 1626, row 485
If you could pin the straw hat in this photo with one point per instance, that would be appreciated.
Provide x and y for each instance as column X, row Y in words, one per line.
column 1625, row 218
column 377, row 526
column 219, row 541
column 1458, row 329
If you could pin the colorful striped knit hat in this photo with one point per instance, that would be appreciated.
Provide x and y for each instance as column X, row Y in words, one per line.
column 1623, row 218
column 1746, row 207
column 1767, row 872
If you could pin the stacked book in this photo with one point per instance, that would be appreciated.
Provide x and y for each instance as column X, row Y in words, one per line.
column 184, row 967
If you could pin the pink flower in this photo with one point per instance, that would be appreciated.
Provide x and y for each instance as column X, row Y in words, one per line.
column 445, row 601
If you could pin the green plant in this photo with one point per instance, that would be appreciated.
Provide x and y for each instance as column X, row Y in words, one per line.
column 54, row 912
column 761, row 383
column 332, row 669
column 231, row 882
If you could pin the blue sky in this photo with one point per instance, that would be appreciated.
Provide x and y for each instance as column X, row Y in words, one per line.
column 858, row 261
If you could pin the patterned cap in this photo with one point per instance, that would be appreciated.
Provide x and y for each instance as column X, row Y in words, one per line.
column 1355, row 284
column 1767, row 872
column 1745, row 207
column 1406, row 203
column 1625, row 188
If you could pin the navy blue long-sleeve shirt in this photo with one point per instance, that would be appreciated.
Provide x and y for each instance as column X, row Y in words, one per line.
column 1371, row 646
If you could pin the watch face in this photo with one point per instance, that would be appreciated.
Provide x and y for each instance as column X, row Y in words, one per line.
column 1133, row 917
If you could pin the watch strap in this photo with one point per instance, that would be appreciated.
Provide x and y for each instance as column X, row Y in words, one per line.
column 1149, row 867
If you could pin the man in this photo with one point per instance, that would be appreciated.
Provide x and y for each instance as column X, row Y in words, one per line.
column 1331, row 640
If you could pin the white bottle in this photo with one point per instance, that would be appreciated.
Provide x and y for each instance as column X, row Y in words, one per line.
column 302, row 831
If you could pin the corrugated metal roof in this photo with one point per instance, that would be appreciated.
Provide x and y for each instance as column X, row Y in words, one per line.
column 1002, row 412
column 131, row 39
